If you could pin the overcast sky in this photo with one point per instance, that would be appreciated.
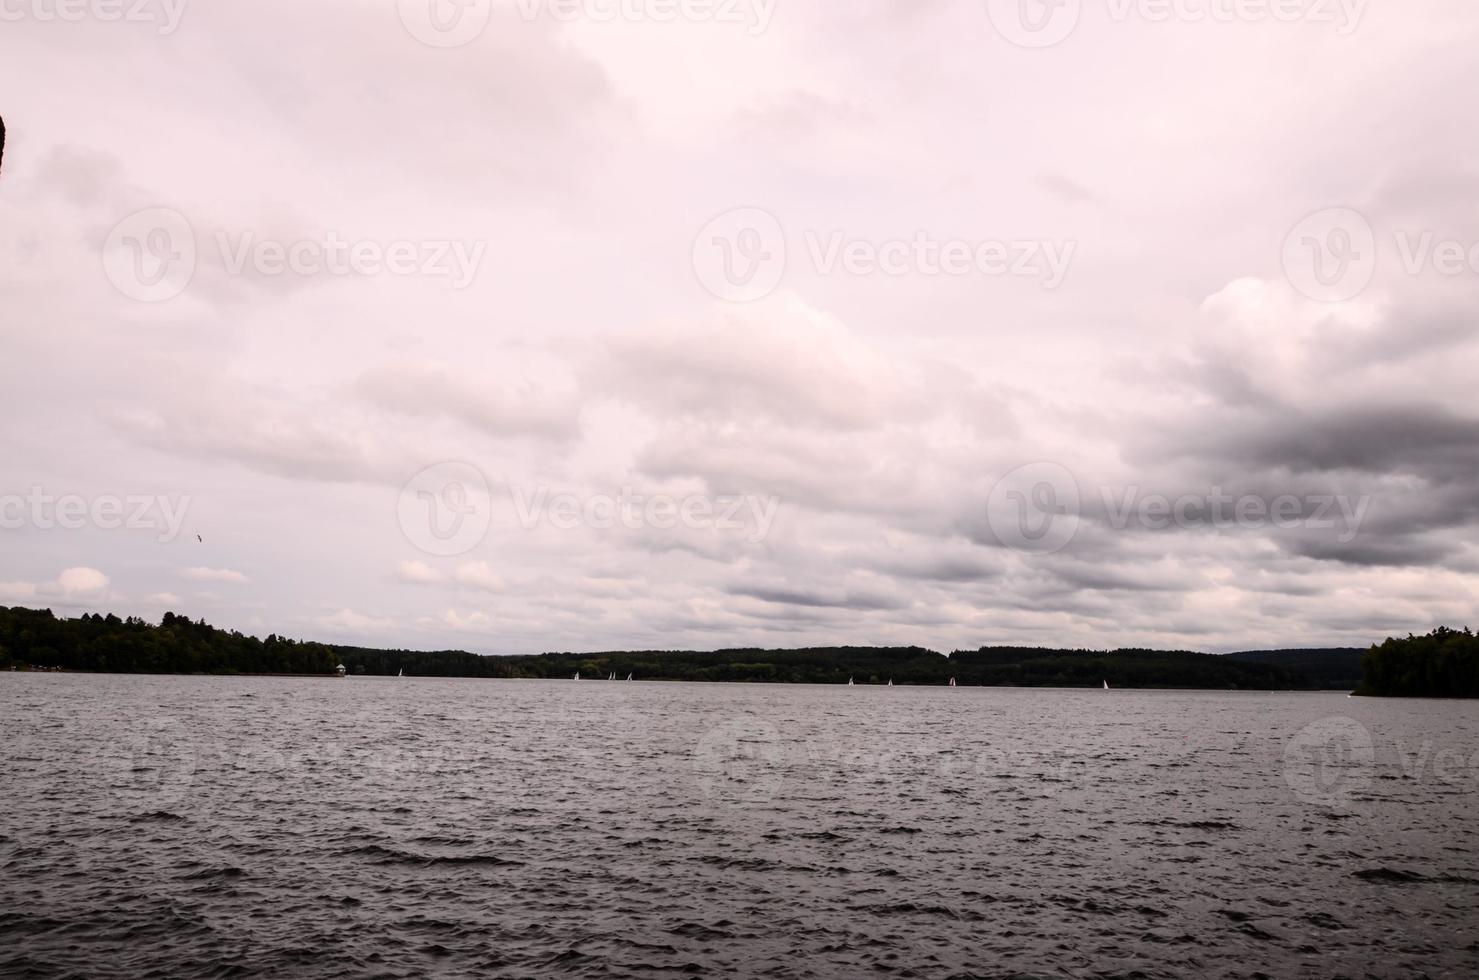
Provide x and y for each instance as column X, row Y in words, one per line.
column 891, row 322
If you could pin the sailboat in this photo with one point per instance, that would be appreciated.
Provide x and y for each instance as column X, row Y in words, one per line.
column 577, row 675
column 612, row 677
column 629, row 677
column 849, row 682
column 890, row 682
column 402, row 673
column 952, row 682
column 1106, row 685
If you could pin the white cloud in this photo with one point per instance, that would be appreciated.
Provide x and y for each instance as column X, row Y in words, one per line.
column 354, row 622
column 479, row 575
column 80, row 585
column 82, row 582
column 17, row 591
column 203, row 574
column 455, row 620
column 419, row 572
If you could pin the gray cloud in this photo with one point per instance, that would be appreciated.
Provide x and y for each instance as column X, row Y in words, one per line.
column 880, row 410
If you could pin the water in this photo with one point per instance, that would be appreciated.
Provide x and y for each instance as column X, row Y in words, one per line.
column 274, row 827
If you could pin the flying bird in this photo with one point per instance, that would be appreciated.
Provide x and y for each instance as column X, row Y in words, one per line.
column 2, row 142
column 200, row 539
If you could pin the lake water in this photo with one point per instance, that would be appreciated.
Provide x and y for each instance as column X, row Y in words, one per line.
column 179, row 827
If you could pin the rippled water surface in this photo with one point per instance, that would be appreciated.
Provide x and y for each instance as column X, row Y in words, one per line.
column 274, row 827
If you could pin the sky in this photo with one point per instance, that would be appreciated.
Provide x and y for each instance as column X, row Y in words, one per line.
column 591, row 324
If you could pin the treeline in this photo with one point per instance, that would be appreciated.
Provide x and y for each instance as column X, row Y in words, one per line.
column 994, row 666
column 1331, row 668
column 1031, row 667
column 818, row 666
column 178, row 645
column 1442, row 664
column 815, row 665
column 36, row 638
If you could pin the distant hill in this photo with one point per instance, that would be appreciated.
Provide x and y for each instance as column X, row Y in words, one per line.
column 1034, row 667
column 1329, row 668
column 31, row 637
column 990, row 666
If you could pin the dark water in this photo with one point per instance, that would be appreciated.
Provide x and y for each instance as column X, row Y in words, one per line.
column 212, row 827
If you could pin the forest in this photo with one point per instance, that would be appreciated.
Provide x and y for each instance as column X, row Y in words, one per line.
column 1441, row 664
column 37, row 639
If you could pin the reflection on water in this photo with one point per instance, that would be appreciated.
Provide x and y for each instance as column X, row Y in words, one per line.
column 273, row 827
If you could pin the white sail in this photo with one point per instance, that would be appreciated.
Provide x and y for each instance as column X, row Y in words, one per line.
column 629, row 677
column 952, row 682
column 577, row 675
column 1106, row 685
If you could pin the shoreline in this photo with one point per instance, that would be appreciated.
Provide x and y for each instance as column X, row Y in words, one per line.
column 664, row 680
